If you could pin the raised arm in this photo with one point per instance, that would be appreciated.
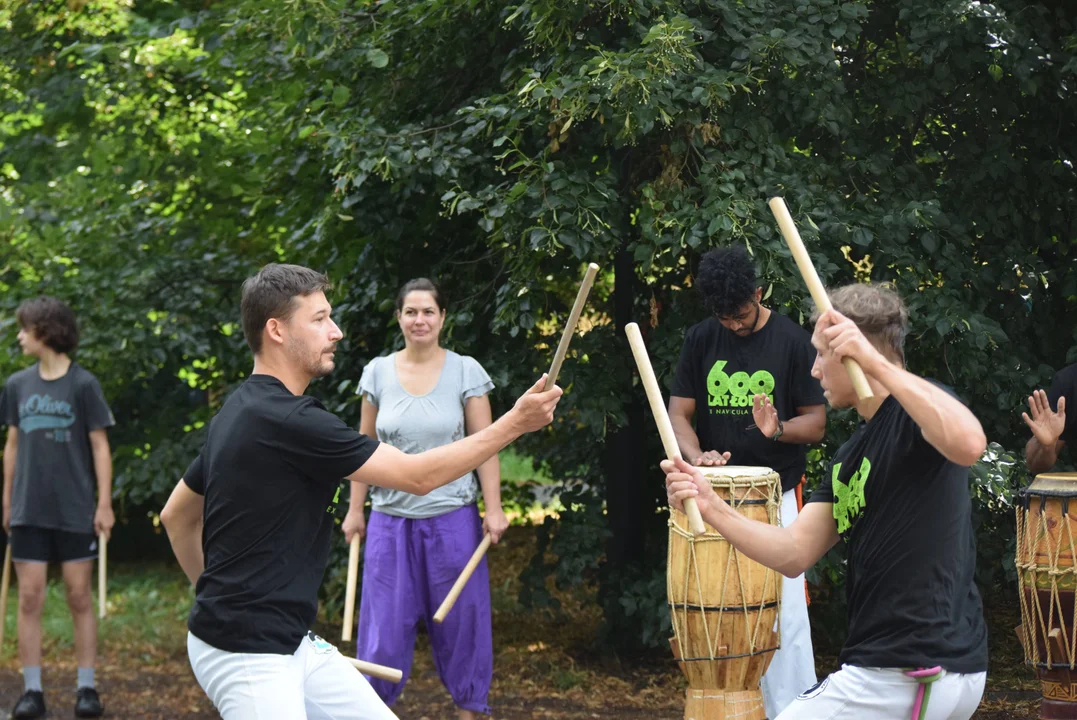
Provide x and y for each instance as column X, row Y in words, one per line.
column 1047, row 425
column 421, row 473
column 790, row 550
column 945, row 422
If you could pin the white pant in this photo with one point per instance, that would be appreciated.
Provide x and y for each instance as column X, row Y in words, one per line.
column 314, row 682
column 885, row 694
column 792, row 671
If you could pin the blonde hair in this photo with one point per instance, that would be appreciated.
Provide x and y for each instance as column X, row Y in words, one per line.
column 878, row 311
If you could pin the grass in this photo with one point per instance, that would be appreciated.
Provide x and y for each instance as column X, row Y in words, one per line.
column 147, row 614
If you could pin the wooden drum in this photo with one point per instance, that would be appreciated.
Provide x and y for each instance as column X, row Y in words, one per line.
column 724, row 606
column 1046, row 555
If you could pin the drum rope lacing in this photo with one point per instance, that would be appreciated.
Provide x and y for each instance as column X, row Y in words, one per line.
column 762, row 487
column 1030, row 538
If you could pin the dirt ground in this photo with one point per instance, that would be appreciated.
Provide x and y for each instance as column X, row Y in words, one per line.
column 546, row 665
column 164, row 688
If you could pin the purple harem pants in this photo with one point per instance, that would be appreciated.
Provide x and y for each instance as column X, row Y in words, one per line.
column 409, row 566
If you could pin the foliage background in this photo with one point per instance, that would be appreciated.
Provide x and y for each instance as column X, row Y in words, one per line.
column 153, row 154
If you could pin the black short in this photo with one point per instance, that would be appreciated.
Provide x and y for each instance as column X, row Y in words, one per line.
column 34, row 544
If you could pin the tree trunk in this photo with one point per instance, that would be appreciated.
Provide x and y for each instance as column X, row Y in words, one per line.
column 624, row 460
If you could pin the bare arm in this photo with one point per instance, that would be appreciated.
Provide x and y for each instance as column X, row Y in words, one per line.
column 182, row 518
column 477, row 416
column 421, row 473
column 1041, row 458
column 11, row 448
column 368, row 422
column 1047, row 425
column 945, row 422
column 789, row 550
column 681, row 412
column 102, row 465
column 806, row 427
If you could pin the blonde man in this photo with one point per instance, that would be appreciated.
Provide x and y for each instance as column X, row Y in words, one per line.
column 897, row 495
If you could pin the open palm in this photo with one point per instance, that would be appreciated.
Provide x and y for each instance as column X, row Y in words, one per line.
column 1046, row 424
column 765, row 415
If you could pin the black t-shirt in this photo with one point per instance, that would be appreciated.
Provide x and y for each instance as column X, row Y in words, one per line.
column 905, row 513
column 721, row 371
column 1065, row 385
column 270, row 471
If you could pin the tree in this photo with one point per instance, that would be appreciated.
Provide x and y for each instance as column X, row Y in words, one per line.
column 154, row 155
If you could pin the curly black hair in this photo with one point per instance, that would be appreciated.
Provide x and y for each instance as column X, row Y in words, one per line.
column 726, row 278
column 51, row 320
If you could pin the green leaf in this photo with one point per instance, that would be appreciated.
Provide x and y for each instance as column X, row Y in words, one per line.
column 306, row 131
column 377, row 57
column 341, row 95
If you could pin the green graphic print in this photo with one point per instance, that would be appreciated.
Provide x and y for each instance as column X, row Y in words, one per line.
column 849, row 499
column 737, row 390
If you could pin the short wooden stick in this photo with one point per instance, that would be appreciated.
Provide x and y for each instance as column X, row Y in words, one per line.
column 102, row 574
column 5, row 583
column 461, row 581
column 661, row 417
column 374, row 670
column 570, row 325
column 349, row 594
column 815, row 286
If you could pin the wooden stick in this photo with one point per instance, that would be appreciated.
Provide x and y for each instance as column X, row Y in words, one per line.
column 551, row 378
column 379, row 671
column 570, row 326
column 815, row 286
column 461, row 581
column 349, row 595
column 102, row 573
column 5, row 583
column 661, row 417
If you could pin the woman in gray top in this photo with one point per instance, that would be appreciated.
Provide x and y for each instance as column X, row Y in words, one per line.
column 422, row 397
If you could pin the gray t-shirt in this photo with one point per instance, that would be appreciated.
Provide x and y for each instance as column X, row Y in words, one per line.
column 417, row 423
column 55, row 481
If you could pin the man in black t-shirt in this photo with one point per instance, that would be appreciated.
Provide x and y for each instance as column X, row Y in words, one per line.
column 898, row 496
column 744, row 376
column 1051, row 428
column 250, row 521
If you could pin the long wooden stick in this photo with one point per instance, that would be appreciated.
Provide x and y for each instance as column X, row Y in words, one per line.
column 349, row 595
column 458, row 586
column 5, row 583
column 570, row 325
column 374, row 670
column 551, row 378
column 815, row 286
column 102, row 573
column 661, row 417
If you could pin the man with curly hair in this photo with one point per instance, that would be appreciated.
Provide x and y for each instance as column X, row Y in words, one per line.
column 56, row 454
column 744, row 377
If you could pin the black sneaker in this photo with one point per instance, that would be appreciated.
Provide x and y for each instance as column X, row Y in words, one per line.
column 30, row 705
column 88, row 704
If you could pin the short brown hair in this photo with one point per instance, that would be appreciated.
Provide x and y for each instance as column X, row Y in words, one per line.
column 51, row 320
column 878, row 311
column 272, row 293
